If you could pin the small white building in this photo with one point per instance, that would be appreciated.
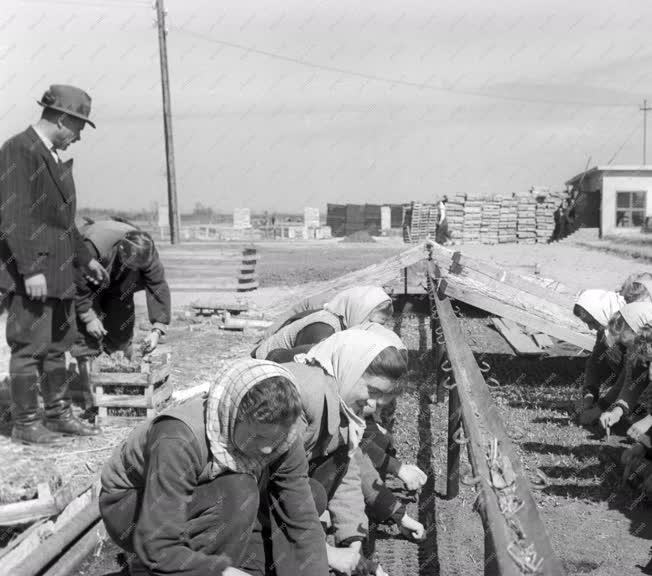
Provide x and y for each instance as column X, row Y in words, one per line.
column 615, row 199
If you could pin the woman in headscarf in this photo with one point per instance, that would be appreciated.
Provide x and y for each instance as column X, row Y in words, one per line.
column 337, row 379
column 595, row 308
column 377, row 442
column 623, row 329
column 182, row 491
column 347, row 309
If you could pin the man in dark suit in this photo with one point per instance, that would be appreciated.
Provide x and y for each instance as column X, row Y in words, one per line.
column 40, row 247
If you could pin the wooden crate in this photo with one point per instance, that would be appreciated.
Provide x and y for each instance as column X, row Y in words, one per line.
column 151, row 380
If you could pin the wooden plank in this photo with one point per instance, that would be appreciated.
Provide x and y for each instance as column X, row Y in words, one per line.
column 520, row 316
column 42, row 507
column 483, row 423
column 543, row 340
column 119, row 378
column 208, row 285
column 523, row 345
column 123, row 401
column 214, row 304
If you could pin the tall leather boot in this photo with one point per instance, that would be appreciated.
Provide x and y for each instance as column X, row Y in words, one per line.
column 28, row 428
column 84, row 365
column 58, row 406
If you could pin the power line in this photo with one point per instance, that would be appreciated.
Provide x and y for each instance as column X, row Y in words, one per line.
column 395, row 81
column 627, row 139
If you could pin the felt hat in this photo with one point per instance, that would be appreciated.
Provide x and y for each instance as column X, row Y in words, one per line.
column 68, row 99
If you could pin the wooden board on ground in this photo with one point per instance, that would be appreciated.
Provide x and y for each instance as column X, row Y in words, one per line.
column 522, row 343
column 214, row 306
column 543, row 340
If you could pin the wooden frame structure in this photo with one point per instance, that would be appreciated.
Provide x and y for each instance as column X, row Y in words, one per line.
column 516, row 541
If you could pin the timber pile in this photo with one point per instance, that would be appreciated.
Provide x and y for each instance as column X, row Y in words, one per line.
column 498, row 219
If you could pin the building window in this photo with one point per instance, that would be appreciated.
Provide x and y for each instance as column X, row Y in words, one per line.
column 630, row 209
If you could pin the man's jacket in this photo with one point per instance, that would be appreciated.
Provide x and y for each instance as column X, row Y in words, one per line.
column 38, row 234
column 101, row 240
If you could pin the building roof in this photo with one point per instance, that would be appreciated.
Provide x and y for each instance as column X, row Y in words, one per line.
column 610, row 168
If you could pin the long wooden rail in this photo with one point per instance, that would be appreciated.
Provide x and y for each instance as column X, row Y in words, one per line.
column 516, row 541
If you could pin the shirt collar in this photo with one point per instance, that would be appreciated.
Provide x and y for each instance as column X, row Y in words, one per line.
column 47, row 142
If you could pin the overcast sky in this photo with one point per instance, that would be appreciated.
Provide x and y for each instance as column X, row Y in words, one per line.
column 284, row 104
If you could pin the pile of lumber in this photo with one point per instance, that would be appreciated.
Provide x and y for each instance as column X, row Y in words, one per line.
column 498, row 219
column 527, row 224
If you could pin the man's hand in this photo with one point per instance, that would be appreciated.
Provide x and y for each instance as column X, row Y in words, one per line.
column 412, row 476
column 151, row 341
column 97, row 272
column 344, row 560
column 37, row 287
column 96, row 329
column 411, row 528
column 231, row 571
column 639, row 428
column 611, row 417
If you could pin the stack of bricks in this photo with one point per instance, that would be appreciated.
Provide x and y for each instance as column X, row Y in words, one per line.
column 472, row 221
column 508, row 220
column 526, row 230
column 490, row 221
column 545, row 218
column 455, row 216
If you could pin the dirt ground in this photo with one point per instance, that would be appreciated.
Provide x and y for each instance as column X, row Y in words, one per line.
column 596, row 528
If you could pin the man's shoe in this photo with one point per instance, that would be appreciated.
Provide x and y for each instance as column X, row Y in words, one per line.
column 36, row 433
column 70, row 425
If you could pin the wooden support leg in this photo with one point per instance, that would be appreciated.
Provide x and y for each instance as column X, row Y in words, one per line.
column 453, row 460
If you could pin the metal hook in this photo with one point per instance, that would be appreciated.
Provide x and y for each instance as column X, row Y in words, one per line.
column 446, row 386
column 492, row 382
column 484, row 370
column 459, row 437
column 439, row 330
column 457, row 310
column 444, row 366
column 440, row 339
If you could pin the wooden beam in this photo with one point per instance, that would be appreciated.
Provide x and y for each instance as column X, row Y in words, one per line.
column 483, row 424
column 27, row 511
column 518, row 315
column 522, row 343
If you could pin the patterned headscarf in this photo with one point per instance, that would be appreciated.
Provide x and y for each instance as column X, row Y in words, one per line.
column 600, row 304
column 355, row 304
column 224, row 398
column 346, row 356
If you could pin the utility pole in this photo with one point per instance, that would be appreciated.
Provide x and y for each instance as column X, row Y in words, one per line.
column 173, row 210
column 645, row 109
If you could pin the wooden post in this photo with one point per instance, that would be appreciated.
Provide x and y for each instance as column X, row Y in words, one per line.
column 453, row 459
column 167, row 124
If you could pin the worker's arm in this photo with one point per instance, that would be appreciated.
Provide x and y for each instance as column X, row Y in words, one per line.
column 157, row 292
column 293, row 505
column 21, row 225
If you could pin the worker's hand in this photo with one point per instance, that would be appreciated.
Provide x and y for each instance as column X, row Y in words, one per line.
column 97, row 273
column 380, row 571
column 638, row 429
column 411, row 528
column 611, row 417
column 630, row 460
column 412, row 476
column 96, row 329
column 37, row 287
column 343, row 560
column 151, row 341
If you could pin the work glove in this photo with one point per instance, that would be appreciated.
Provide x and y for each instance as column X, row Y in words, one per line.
column 97, row 274
column 411, row 528
column 37, row 287
column 412, row 476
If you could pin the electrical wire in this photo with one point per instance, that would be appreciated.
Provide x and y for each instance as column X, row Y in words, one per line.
column 395, row 81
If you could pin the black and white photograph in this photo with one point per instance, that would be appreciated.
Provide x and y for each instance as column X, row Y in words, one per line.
column 325, row 288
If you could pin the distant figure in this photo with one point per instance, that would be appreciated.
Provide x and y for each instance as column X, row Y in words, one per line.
column 442, row 235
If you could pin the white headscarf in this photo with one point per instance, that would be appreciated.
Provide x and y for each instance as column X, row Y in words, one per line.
column 346, row 356
column 392, row 337
column 355, row 304
column 600, row 304
column 637, row 315
column 224, row 397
